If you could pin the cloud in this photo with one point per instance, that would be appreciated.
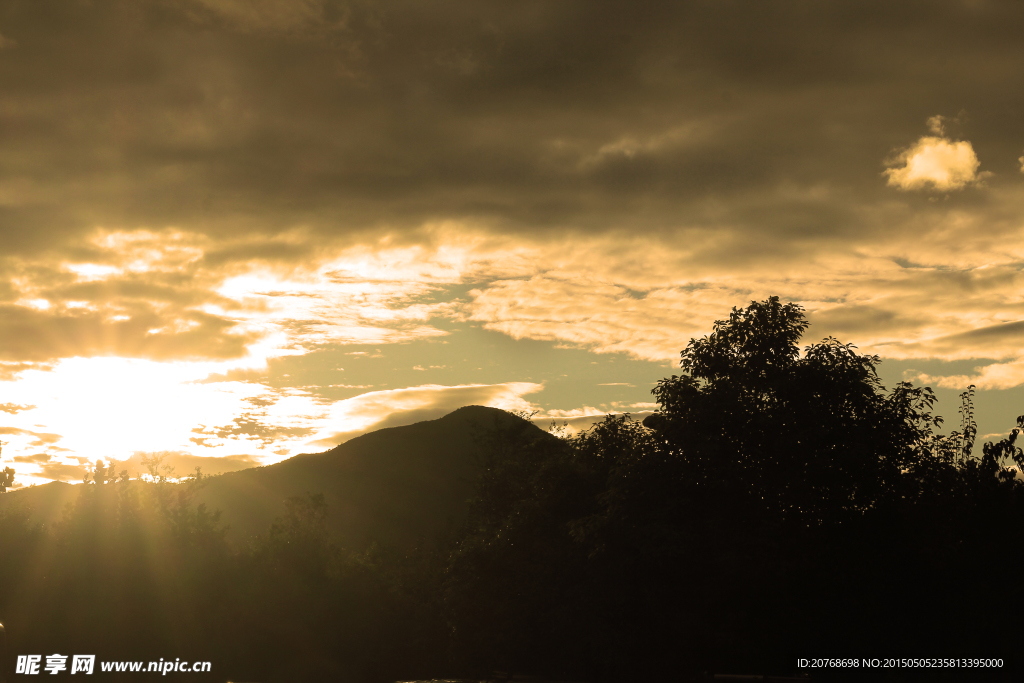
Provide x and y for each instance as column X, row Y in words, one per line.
column 247, row 426
column 686, row 111
column 245, row 183
column 574, row 424
column 395, row 407
column 155, row 295
column 935, row 162
column 600, row 315
column 263, row 15
column 13, row 408
column 38, row 438
column 33, row 459
column 11, row 371
column 937, row 125
column 62, row 472
column 35, row 335
column 995, row 376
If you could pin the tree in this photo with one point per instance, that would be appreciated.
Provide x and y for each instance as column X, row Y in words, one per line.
column 803, row 483
column 98, row 473
column 811, row 437
column 780, row 498
column 6, row 476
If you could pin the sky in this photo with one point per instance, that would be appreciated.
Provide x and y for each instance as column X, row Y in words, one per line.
column 233, row 231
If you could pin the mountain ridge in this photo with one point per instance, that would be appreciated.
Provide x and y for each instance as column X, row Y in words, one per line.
column 399, row 486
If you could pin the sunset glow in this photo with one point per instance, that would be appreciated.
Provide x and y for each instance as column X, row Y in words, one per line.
column 266, row 229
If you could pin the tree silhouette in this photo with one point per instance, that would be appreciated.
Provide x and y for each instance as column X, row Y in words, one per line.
column 808, row 436
column 6, row 476
column 781, row 503
column 98, row 473
column 779, row 500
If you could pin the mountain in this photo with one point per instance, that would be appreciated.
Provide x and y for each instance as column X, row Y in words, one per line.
column 396, row 486
column 392, row 485
column 46, row 501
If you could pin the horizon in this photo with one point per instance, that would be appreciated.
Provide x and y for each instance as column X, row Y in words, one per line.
column 249, row 231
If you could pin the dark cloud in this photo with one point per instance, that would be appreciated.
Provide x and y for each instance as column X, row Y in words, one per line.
column 41, row 335
column 856, row 319
column 269, row 250
column 603, row 175
column 347, row 116
column 999, row 341
column 997, row 333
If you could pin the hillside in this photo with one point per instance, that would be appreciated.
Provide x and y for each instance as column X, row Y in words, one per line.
column 394, row 485
column 46, row 501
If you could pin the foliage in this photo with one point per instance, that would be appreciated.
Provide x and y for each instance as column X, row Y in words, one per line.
column 779, row 500
column 809, row 437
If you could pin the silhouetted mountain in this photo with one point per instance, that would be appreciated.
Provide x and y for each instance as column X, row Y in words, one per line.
column 394, row 485
column 46, row 501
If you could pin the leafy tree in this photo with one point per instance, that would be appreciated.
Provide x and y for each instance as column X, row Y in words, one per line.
column 780, row 497
column 810, row 437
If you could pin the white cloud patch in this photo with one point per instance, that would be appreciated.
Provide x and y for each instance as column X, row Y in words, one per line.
column 995, row 376
column 575, row 421
column 585, row 411
column 396, row 407
column 935, row 162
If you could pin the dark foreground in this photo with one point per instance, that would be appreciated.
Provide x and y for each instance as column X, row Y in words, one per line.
column 783, row 515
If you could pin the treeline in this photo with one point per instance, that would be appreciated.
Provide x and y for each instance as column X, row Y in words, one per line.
column 136, row 571
column 780, row 504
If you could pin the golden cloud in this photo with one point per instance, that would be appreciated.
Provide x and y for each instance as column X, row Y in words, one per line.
column 995, row 376
column 935, row 162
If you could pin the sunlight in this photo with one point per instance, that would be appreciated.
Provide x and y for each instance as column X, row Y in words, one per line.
column 92, row 271
column 90, row 408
